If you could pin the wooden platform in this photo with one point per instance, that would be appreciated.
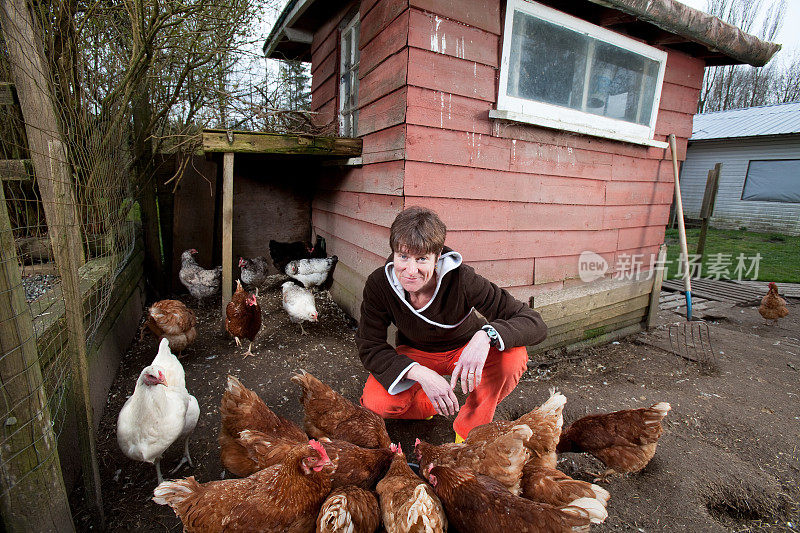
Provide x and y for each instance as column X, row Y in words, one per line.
column 717, row 290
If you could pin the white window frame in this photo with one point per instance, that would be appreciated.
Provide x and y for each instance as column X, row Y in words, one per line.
column 562, row 118
column 348, row 114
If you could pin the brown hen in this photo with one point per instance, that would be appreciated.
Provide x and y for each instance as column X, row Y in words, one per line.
column 171, row 320
column 243, row 316
column 545, row 421
column 502, row 458
column 408, row 504
column 477, row 503
column 329, row 414
column 285, row 497
column 624, row 441
column 773, row 306
column 349, row 510
column 548, row 485
column 242, row 409
column 358, row 466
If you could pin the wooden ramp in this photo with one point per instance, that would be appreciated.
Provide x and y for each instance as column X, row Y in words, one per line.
column 717, row 290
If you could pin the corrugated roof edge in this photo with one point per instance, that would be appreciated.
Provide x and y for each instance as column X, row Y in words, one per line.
column 757, row 121
column 699, row 27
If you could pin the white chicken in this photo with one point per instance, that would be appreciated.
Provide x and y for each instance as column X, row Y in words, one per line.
column 157, row 414
column 299, row 304
column 314, row 272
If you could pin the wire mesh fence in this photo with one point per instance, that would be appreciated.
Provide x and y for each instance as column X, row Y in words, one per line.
column 68, row 226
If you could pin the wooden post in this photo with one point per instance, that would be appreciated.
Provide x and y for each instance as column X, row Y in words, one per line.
column 33, row 493
column 707, row 208
column 68, row 255
column 31, row 78
column 54, row 178
column 655, row 293
column 227, row 230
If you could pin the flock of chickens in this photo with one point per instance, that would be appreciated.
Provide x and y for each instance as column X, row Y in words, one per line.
column 342, row 473
column 308, row 269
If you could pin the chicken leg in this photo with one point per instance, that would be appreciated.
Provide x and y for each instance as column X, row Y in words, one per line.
column 158, row 470
column 249, row 351
column 185, row 459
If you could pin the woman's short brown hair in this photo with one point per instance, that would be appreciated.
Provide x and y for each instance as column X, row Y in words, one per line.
column 417, row 230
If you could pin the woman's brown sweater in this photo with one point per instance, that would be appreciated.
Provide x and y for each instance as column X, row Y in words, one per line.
column 446, row 323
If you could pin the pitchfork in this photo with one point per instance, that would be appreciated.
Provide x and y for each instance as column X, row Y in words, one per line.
column 691, row 339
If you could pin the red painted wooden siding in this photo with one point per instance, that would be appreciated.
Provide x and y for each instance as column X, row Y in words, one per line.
column 521, row 202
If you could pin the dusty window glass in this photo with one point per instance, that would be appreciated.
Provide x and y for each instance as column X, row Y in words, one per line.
column 556, row 65
column 348, row 80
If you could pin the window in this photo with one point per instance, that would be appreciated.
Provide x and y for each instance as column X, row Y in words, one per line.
column 773, row 181
column 348, row 80
column 562, row 72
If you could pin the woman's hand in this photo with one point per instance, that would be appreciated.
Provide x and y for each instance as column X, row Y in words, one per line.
column 470, row 365
column 436, row 387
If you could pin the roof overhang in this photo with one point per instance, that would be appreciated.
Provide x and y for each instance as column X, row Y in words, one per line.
column 667, row 23
column 293, row 32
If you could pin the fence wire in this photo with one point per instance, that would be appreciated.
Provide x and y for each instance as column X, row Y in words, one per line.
column 68, row 201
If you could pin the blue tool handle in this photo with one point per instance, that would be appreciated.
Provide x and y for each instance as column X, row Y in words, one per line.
column 688, row 305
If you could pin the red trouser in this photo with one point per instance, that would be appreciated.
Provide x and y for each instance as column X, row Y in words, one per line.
column 501, row 373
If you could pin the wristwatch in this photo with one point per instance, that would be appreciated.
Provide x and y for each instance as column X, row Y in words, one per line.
column 494, row 338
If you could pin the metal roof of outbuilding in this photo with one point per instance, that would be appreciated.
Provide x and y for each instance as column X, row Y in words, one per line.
column 778, row 119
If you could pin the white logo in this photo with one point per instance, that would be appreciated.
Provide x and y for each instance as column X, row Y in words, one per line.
column 591, row 267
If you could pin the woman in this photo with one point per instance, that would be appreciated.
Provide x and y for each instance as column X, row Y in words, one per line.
column 430, row 295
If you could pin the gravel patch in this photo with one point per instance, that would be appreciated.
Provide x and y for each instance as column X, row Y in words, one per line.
column 38, row 284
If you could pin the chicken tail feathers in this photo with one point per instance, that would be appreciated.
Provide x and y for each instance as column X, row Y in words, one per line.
column 657, row 412
column 335, row 516
column 308, row 383
column 423, row 508
column 555, row 404
column 601, row 494
column 587, row 509
column 174, row 493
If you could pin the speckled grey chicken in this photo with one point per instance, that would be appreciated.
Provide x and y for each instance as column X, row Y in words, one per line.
column 202, row 283
column 254, row 271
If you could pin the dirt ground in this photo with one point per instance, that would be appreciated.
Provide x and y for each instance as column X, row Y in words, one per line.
column 728, row 459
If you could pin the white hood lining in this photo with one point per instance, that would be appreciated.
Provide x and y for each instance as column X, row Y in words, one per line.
column 447, row 262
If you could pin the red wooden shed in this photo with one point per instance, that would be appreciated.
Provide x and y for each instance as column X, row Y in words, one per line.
column 535, row 129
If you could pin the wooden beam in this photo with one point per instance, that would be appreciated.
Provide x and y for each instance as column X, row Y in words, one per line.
column 34, row 495
column 707, row 207
column 7, row 93
column 277, row 143
column 16, row 169
column 227, row 230
column 298, row 36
